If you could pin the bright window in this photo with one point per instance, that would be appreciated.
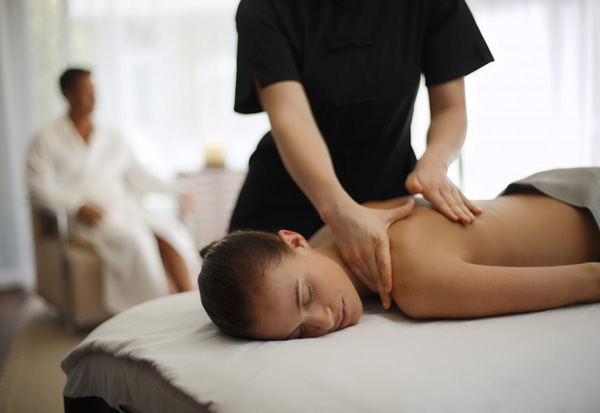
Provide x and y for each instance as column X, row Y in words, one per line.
column 165, row 72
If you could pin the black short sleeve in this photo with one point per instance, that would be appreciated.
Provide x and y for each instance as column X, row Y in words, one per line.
column 454, row 46
column 265, row 49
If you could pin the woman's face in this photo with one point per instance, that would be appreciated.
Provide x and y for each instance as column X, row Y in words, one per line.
column 306, row 295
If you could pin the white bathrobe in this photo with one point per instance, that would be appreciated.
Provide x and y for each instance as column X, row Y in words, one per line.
column 65, row 172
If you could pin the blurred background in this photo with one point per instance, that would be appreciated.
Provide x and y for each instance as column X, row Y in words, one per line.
column 164, row 72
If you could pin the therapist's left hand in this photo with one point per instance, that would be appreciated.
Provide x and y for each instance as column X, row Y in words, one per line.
column 433, row 183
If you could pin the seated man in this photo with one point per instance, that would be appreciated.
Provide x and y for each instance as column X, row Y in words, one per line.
column 536, row 247
column 93, row 174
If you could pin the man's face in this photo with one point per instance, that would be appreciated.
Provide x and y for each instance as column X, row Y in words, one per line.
column 81, row 96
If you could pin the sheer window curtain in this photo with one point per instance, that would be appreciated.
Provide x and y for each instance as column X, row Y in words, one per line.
column 165, row 77
column 12, row 243
column 31, row 50
column 537, row 106
column 544, row 107
column 165, row 69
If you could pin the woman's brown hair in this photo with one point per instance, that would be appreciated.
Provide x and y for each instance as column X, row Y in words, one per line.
column 232, row 270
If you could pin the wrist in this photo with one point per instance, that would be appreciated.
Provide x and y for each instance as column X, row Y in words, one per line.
column 335, row 208
column 432, row 160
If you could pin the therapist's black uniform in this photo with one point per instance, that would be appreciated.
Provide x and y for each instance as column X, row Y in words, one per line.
column 360, row 62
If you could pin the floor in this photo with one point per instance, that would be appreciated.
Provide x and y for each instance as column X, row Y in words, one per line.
column 11, row 303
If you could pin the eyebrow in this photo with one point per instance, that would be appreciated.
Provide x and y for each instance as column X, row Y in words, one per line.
column 297, row 306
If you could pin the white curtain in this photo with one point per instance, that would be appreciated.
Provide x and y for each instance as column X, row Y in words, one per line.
column 15, row 121
column 165, row 71
column 32, row 50
column 165, row 77
column 537, row 106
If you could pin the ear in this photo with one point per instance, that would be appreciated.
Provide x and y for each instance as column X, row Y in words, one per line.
column 68, row 94
column 293, row 239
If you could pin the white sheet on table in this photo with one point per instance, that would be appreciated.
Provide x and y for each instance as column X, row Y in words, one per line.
column 535, row 362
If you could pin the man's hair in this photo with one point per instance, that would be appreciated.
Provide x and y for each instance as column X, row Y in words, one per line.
column 232, row 271
column 69, row 77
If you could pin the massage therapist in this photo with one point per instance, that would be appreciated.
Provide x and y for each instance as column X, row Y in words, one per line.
column 338, row 80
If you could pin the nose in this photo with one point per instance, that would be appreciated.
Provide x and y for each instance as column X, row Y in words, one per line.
column 321, row 318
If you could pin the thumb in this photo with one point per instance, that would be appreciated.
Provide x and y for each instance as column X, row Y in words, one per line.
column 401, row 212
column 413, row 184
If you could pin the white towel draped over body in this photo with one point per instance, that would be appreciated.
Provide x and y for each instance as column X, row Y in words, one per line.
column 63, row 171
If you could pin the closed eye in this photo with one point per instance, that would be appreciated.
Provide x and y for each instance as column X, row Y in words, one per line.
column 302, row 328
column 310, row 295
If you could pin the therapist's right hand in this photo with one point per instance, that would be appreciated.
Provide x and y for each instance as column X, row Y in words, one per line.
column 90, row 214
column 362, row 239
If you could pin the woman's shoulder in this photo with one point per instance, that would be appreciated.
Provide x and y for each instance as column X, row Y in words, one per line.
column 423, row 237
column 324, row 236
column 396, row 202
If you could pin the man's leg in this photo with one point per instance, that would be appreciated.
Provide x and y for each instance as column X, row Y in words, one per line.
column 175, row 267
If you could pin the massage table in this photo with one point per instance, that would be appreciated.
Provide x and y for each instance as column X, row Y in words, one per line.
column 166, row 355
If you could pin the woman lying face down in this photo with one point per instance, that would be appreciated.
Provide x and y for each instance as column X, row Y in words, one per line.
column 260, row 285
column 527, row 252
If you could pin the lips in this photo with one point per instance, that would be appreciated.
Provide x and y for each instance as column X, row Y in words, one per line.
column 345, row 316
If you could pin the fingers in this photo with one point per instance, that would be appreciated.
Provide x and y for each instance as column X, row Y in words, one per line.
column 386, row 300
column 441, row 205
column 384, row 264
column 365, row 268
column 375, row 280
column 384, row 294
column 364, row 246
column 472, row 207
column 442, row 193
column 453, row 204
column 374, row 269
column 356, row 270
column 459, row 207
column 380, row 270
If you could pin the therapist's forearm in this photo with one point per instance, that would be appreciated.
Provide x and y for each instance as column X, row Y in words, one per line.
column 448, row 126
column 307, row 160
column 303, row 149
column 446, row 136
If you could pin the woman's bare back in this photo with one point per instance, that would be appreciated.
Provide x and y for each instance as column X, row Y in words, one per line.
column 526, row 252
column 515, row 230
